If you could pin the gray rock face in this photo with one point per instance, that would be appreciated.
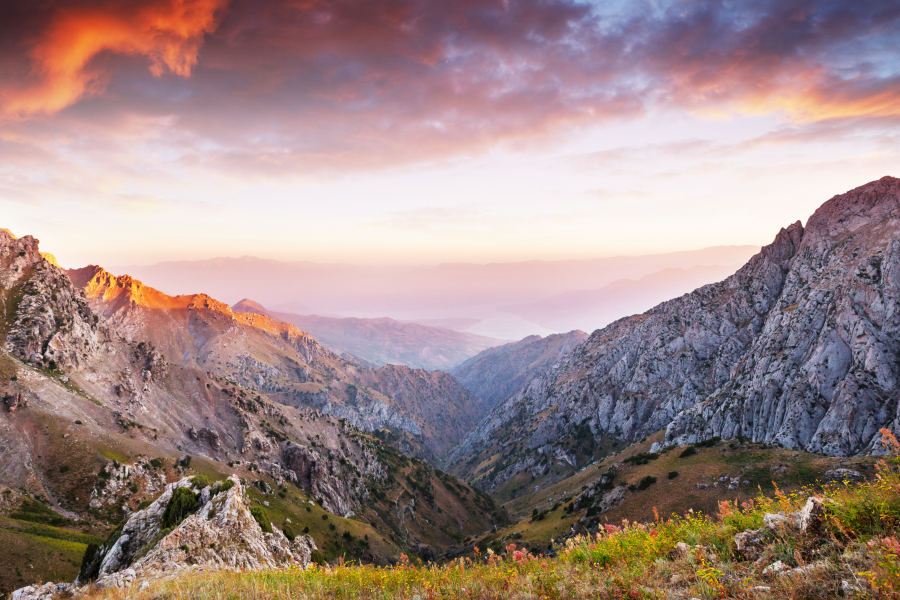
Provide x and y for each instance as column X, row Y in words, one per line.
column 822, row 374
column 497, row 373
column 222, row 534
column 52, row 319
column 799, row 347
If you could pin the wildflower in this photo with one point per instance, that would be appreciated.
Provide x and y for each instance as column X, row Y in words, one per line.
column 891, row 545
column 543, row 565
column 511, row 547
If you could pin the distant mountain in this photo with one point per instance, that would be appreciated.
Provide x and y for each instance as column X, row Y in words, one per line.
column 592, row 309
column 384, row 341
column 417, row 293
column 497, row 373
column 798, row 348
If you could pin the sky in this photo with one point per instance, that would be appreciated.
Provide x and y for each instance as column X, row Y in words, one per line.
column 427, row 131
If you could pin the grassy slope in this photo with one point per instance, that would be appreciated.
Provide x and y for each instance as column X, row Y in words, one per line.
column 34, row 552
column 753, row 462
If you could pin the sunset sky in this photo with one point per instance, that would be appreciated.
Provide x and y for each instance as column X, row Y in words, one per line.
column 422, row 131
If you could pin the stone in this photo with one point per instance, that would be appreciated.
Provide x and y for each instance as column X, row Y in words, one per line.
column 842, row 475
column 811, row 517
column 751, row 543
column 776, row 568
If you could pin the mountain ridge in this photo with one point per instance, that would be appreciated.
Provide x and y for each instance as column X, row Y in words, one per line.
column 638, row 374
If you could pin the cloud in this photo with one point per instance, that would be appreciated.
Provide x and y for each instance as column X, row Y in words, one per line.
column 168, row 32
column 293, row 87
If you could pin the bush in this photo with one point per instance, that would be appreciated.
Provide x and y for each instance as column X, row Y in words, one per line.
column 646, row 482
column 709, row 443
column 156, row 463
column 224, row 486
column 305, row 530
column 262, row 517
column 182, row 503
column 90, row 563
column 673, row 474
column 324, row 517
column 185, row 462
column 689, row 451
column 64, row 469
column 318, row 558
column 199, row 481
column 288, row 532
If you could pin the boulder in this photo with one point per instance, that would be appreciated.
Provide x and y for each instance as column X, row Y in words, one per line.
column 812, row 516
column 751, row 543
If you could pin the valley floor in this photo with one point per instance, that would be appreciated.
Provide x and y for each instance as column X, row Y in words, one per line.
column 837, row 543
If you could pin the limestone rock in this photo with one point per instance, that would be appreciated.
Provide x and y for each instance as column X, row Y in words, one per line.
column 842, row 475
column 221, row 534
column 751, row 543
column 812, row 515
column 797, row 348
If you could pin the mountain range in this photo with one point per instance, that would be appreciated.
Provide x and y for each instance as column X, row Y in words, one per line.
column 116, row 394
column 384, row 341
column 798, row 348
column 419, row 293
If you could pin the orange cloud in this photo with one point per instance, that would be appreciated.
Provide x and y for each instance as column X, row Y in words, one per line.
column 169, row 33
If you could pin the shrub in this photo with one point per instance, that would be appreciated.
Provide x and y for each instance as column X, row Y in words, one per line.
column 673, row 474
column 689, row 451
column 182, row 503
column 288, row 532
column 305, row 530
column 262, row 517
column 709, row 443
column 185, row 462
column 646, row 482
column 324, row 517
column 318, row 558
column 332, row 526
column 64, row 469
column 77, row 422
column 90, row 563
column 199, row 481
column 224, row 486
column 156, row 463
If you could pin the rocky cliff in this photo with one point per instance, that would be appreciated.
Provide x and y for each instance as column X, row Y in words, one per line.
column 274, row 357
column 497, row 373
column 799, row 347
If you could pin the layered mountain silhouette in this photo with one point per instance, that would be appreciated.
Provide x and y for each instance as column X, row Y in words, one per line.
column 592, row 309
column 384, row 341
column 417, row 293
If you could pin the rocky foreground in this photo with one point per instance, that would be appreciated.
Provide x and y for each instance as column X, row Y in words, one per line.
column 192, row 526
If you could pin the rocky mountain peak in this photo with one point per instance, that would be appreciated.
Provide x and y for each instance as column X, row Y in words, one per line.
column 797, row 348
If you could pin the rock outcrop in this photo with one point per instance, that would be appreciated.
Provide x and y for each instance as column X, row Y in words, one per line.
column 797, row 348
column 49, row 321
column 221, row 534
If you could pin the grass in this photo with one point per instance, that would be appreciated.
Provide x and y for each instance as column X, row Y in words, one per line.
column 857, row 544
